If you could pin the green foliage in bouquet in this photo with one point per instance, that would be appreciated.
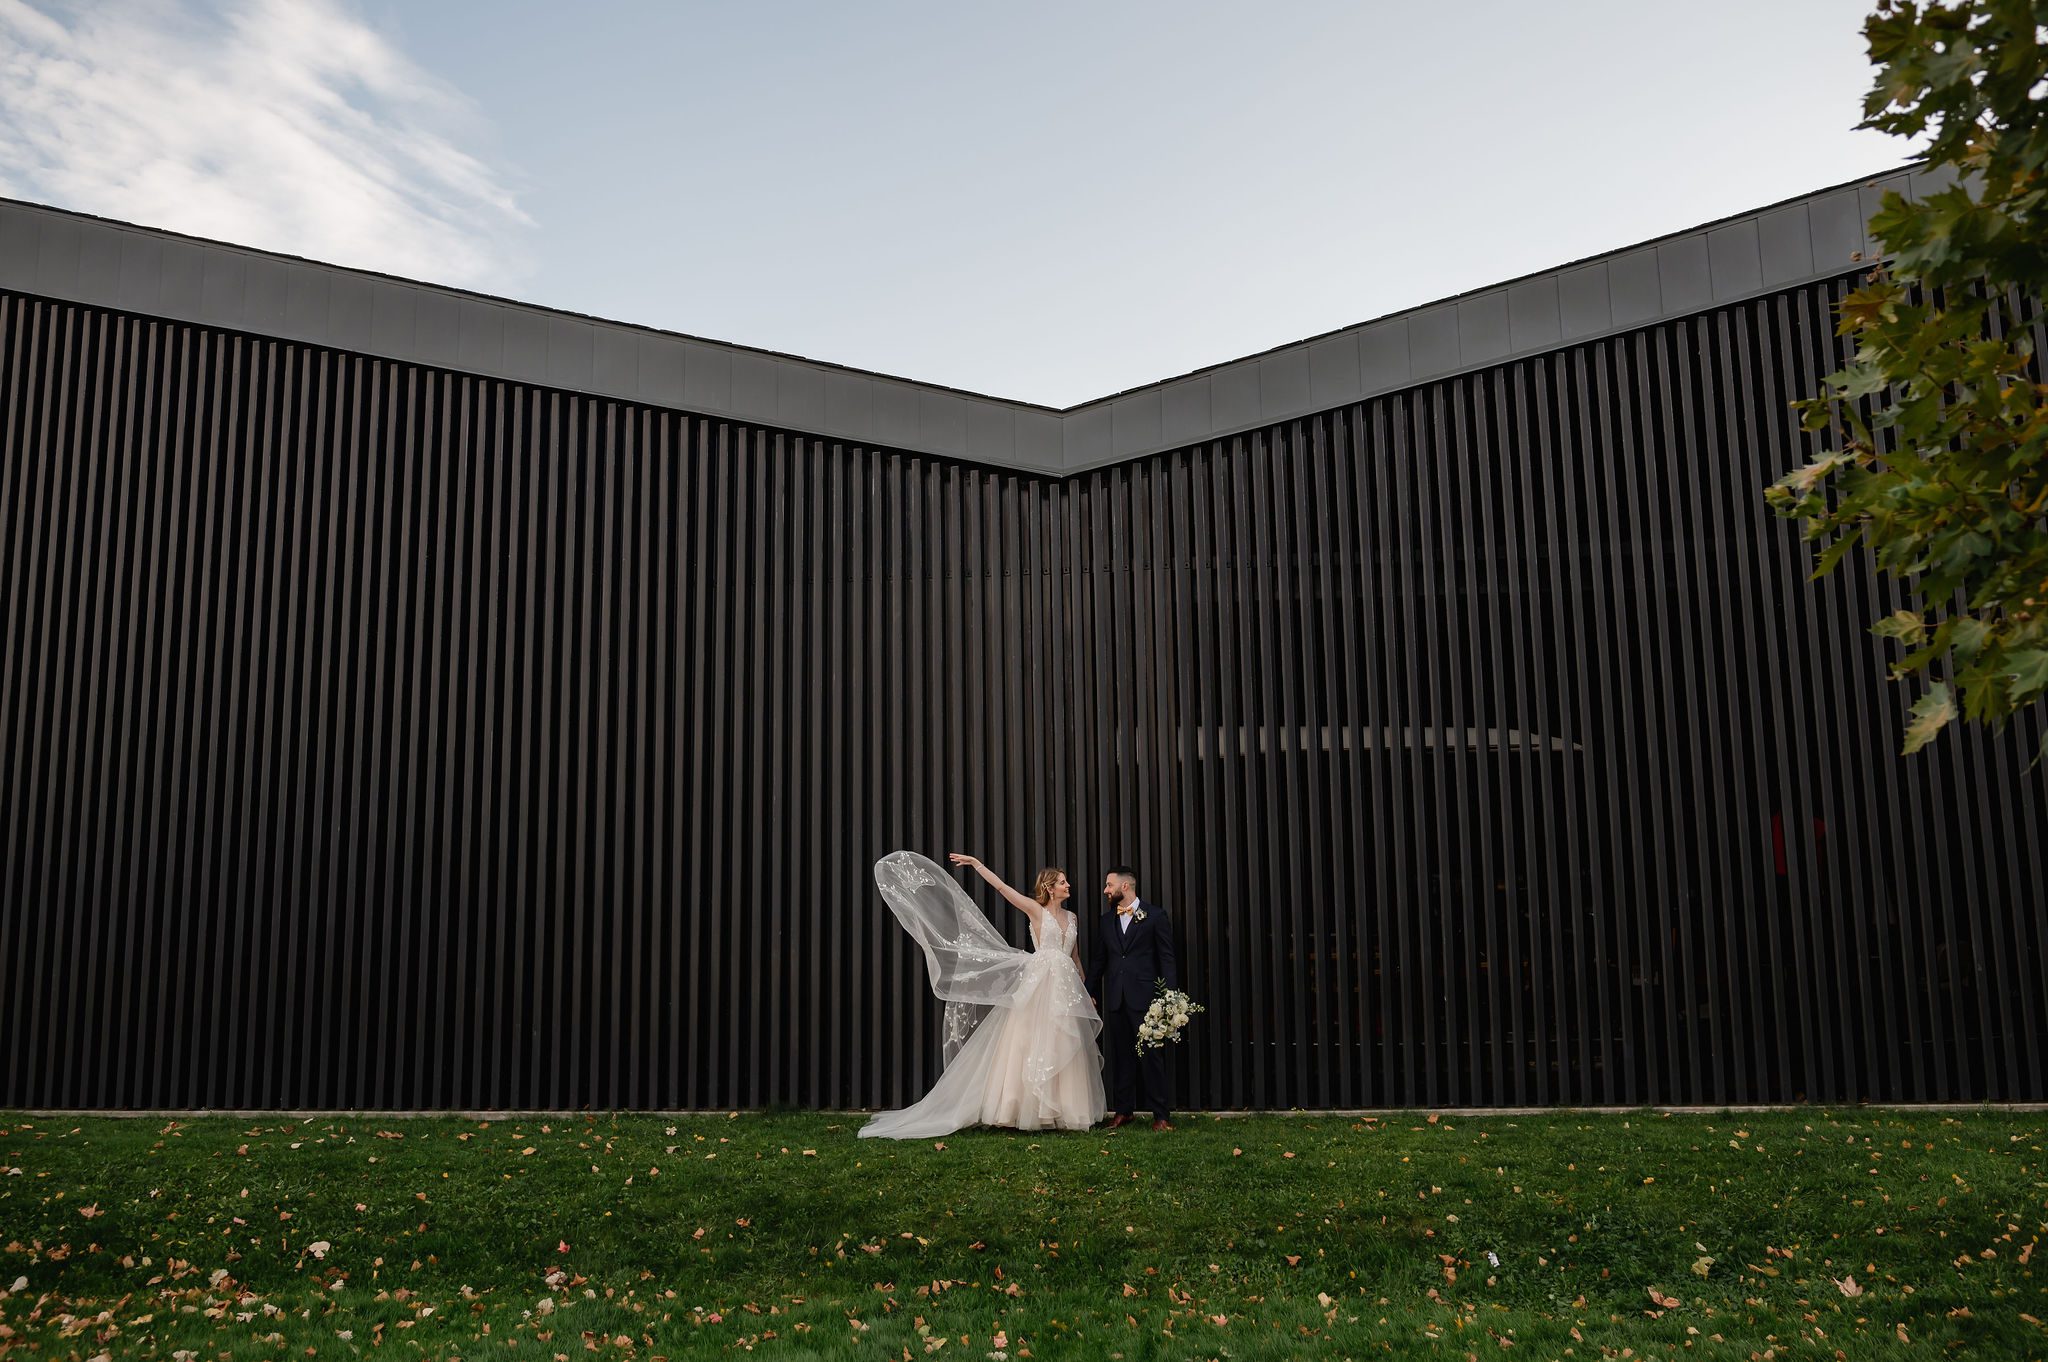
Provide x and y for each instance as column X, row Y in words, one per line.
column 1166, row 1017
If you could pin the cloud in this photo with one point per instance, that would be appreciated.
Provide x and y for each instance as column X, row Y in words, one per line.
column 289, row 125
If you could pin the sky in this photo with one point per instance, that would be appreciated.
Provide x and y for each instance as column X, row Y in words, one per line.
column 1048, row 202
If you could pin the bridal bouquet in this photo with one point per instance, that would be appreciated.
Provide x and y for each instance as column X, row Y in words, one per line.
column 1166, row 1017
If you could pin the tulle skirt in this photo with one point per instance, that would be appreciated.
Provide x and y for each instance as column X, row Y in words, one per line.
column 1032, row 1064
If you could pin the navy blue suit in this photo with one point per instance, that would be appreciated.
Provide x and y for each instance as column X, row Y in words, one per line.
column 1123, row 965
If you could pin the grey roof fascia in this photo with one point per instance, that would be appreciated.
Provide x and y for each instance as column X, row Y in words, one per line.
column 75, row 257
column 79, row 258
column 1815, row 236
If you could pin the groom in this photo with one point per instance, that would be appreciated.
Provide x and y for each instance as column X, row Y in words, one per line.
column 1133, row 947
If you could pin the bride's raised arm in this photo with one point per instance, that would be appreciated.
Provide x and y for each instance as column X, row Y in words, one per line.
column 1023, row 902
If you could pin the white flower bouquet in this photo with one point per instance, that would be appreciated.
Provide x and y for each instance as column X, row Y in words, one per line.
column 1166, row 1018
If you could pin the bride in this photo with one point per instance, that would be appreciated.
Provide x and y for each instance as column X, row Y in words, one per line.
column 1020, row 1030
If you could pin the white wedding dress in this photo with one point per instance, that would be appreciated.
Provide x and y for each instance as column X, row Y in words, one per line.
column 1020, row 1033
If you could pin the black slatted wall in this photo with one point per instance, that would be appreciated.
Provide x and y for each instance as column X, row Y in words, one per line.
column 382, row 737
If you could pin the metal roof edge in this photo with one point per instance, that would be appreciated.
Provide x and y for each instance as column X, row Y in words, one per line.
column 77, row 257
column 1794, row 241
column 1579, row 262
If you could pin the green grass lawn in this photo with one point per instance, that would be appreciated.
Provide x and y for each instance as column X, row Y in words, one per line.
column 1814, row 1233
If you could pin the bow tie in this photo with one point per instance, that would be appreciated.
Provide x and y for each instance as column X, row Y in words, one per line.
column 1126, row 912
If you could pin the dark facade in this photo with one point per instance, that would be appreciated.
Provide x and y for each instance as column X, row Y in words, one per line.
column 379, row 735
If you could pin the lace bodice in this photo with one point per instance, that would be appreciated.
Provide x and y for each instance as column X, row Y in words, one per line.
column 1054, row 931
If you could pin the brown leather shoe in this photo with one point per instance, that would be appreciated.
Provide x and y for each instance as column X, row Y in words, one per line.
column 1117, row 1120
column 1162, row 1124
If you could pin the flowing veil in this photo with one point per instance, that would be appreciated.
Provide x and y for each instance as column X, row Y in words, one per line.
column 1020, row 1028
column 973, row 967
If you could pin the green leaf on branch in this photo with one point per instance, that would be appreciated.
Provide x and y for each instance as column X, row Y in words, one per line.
column 1807, row 478
column 1859, row 380
column 1929, row 446
column 1903, row 625
column 1967, row 638
column 1935, row 647
column 1832, row 558
column 1931, row 713
column 2028, row 671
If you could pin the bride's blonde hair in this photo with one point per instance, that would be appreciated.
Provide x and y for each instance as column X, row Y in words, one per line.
column 1041, row 888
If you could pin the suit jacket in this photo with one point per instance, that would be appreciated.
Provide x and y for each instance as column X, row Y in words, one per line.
column 1124, row 963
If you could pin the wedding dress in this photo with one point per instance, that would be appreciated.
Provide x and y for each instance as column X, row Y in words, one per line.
column 1020, row 1033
